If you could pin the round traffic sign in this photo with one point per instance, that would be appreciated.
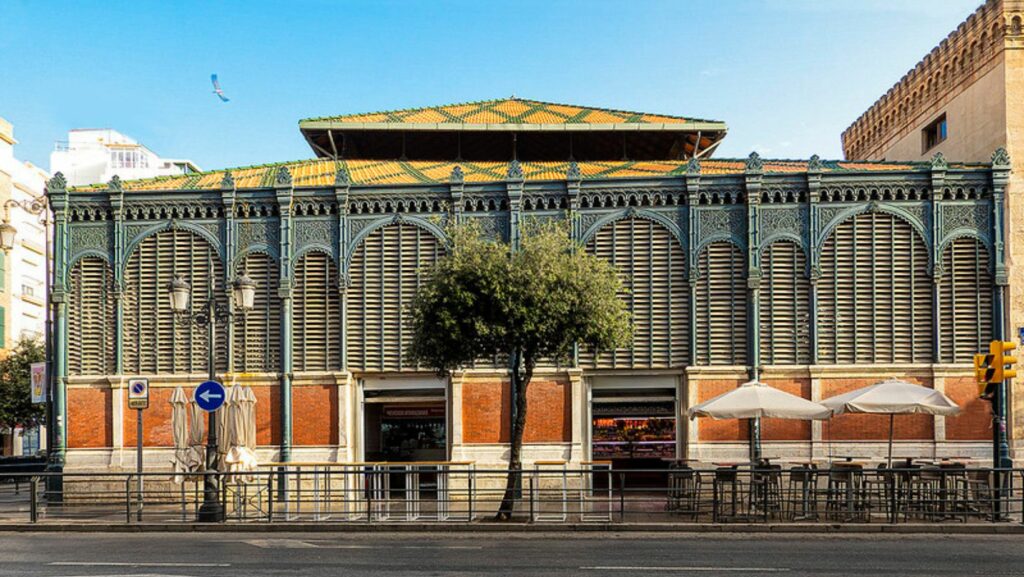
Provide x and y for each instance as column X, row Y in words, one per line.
column 210, row 395
column 138, row 387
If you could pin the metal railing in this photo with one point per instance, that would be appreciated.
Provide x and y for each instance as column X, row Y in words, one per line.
column 446, row 492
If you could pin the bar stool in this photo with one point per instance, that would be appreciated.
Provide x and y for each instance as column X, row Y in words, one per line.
column 925, row 492
column 684, row 487
column 843, row 494
column 766, row 489
column 800, row 491
column 975, row 493
column 727, row 490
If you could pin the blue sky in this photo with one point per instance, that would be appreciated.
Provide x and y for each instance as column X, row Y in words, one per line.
column 786, row 75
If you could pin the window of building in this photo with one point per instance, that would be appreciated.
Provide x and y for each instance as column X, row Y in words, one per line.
column 934, row 133
column 28, row 290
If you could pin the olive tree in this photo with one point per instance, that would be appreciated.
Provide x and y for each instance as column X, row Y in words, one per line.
column 535, row 301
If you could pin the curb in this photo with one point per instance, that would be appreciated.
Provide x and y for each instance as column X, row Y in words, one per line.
column 284, row 527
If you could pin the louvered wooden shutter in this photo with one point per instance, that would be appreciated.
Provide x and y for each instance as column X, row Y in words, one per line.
column 721, row 305
column 317, row 314
column 965, row 301
column 152, row 341
column 785, row 305
column 875, row 302
column 386, row 271
column 258, row 332
column 652, row 266
column 91, row 319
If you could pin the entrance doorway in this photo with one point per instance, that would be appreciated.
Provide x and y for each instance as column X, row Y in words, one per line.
column 405, row 420
column 635, row 425
column 405, row 432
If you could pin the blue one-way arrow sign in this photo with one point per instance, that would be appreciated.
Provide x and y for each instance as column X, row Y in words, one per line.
column 210, row 396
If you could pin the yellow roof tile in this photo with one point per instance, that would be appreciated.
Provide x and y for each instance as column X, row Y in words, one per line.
column 322, row 172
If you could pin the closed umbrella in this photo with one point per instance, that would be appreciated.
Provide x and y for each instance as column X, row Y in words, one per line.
column 179, row 429
column 225, row 428
column 755, row 400
column 197, row 451
column 240, row 457
column 893, row 397
column 250, row 419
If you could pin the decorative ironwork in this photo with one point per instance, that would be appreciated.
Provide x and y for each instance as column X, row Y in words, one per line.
column 257, row 233
column 283, row 177
column 314, row 232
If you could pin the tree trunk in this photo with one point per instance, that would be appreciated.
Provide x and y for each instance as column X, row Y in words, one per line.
column 520, row 380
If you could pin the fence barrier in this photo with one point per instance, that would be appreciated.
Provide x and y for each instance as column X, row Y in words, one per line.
column 552, row 492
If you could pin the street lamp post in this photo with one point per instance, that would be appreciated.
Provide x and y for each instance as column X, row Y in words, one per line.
column 208, row 315
column 55, row 438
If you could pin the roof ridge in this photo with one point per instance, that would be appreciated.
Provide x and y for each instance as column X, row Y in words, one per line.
column 493, row 101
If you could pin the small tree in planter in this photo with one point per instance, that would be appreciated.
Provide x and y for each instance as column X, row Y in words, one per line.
column 485, row 299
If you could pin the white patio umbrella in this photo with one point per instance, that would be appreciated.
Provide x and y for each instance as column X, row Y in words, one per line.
column 224, row 429
column 240, row 457
column 179, row 429
column 755, row 400
column 893, row 397
column 197, row 451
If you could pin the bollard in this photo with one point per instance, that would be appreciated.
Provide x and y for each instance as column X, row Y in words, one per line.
column 33, row 504
column 128, row 498
column 533, row 514
column 622, row 497
column 270, row 497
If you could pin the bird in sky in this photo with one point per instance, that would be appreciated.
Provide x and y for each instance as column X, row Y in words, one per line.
column 217, row 89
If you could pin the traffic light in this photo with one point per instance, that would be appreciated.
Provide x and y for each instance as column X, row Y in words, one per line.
column 984, row 373
column 999, row 349
column 994, row 368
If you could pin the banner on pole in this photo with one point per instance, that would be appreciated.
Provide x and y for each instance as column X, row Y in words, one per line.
column 38, row 385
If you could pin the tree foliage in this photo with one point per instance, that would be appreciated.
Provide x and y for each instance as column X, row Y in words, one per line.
column 537, row 301
column 16, row 408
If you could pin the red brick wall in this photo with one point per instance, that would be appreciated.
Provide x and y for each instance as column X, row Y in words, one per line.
column 719, row 429
column 89, row 418
column 855, row 427
column 485, row 412
column 156, row 420
column 788, row 429
column 974, row 423
column 315, row 415
column 268, row 414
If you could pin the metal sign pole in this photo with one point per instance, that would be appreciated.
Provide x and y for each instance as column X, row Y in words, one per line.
column 138, row 461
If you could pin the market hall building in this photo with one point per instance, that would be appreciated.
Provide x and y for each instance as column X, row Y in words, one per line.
column 816, row 276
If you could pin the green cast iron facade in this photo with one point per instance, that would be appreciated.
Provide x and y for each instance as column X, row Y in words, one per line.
column 749, row 269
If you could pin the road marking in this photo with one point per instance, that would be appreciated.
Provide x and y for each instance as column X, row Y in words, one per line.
column 691, row 569
column 297, row 544
column 139, row 564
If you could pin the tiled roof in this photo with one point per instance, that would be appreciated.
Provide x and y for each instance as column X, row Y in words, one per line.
column 321, row 172
column 505, row 111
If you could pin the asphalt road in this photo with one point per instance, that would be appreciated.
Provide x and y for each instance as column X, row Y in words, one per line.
column 619, row 555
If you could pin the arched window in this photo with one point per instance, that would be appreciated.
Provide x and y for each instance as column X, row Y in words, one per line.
column 317, row 314
column 721, row 311
column 875, row 297
column 258, row 332
column 91, row 318
column 386, row 273
column 153, row 342
column 965, row 301
column 785, row 305
column 651, row 264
